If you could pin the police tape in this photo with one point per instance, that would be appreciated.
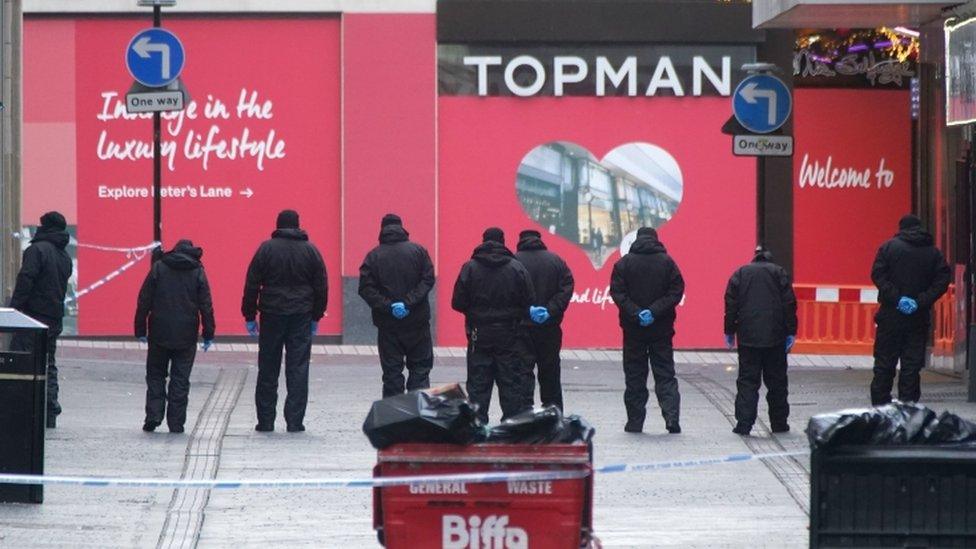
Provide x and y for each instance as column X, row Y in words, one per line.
column 105, row 279
column 25, row 236
column 662, row 465
column 137, row 254
column 128, row 251
column 385, row 482
column 377, row 482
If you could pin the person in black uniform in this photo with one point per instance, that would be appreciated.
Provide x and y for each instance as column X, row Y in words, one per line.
column 494, row 292
column 394, row 280
column 646, row 285
column 39, row 293
column 911, row 275
column 542, row 336
column 760, row 310
column 286, row 281
column 175, row 299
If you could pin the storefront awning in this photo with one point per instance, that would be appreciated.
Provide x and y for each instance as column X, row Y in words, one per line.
column 832, row 14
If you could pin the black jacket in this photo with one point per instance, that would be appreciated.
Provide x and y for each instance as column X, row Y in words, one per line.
column 551, row 278
column 286, row 277
column 43, row 279
column 909, row 265
column 647, row 278
column 397, row 270
column 760, row 306
column 493, row 288
column 175, row 298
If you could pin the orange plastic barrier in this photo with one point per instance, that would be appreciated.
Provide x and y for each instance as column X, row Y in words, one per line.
column 839, row 323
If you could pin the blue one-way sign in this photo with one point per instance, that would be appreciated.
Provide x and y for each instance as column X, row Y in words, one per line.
column 762, row 103
column 155, row 57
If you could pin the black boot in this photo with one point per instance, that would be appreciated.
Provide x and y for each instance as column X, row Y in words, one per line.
column 742, row 429
column 150, row 426
column 634, row 426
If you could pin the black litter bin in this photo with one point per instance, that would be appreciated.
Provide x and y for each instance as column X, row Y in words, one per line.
column 891, row 496
column 895, row 476
column 23, row 393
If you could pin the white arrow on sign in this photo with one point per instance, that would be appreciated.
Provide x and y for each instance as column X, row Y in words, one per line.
column 143, row 48
column 751, row 92
column 247, row 192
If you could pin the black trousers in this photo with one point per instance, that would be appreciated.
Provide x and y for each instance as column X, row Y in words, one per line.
column 291, row 333
column 494, row 359
column 896, row 342
column 539, row 347
column 411, row 346
column 177, row 365
column 762, row 365
column 25, row 342
column 643, row 347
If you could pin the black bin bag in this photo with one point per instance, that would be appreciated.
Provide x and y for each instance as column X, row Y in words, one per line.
column 542, row 426
column 893, row 424
column 435, row 415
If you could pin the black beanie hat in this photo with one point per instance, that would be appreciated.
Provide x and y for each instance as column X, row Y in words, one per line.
column 287, row 219
column 527, row 233
column 493, row 234
column 54, row 220
column 391, row 219
column 647, row 231
column 909, row 221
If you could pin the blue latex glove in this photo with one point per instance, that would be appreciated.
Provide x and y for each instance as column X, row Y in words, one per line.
column 907, row 305
column 399, row 310
column 252, row 327
column 790, row 341
column 143, row 339
column 645, row 317
column 314, row 327
column 539, row 315
column 544, row 315
column 730, row 341
column 206, row 344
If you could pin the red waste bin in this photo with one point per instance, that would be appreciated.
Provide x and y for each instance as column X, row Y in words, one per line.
column 500, row 515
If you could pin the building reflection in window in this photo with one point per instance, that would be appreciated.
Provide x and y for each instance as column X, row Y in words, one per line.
column 595, row 204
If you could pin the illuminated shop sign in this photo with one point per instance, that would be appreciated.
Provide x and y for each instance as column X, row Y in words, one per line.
column 628, row 71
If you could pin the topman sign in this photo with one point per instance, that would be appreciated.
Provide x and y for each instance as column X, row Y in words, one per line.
column 569, row 69
column 627, row 71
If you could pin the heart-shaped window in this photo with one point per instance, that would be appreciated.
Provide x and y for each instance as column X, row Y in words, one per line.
column 598, row 205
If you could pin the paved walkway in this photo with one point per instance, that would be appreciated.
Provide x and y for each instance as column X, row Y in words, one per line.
column 582, row 355
column 749, row 504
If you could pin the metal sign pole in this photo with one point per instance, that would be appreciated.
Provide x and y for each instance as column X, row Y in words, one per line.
column 761, row 202
column 157, row 161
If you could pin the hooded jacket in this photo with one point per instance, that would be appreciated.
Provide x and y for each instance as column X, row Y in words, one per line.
column 43, row 278
column 909, row 265
column 493, row 288
column 175, row 299
column 397, row 270
column 647, row 278
column 287, row 276
column 760, row 306
column 551, row 278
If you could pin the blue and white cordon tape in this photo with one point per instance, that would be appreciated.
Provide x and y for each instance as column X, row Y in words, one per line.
column 136, row 254
column 383, row 482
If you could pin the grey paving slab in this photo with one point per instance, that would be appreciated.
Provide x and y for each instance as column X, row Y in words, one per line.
column 749, row 504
